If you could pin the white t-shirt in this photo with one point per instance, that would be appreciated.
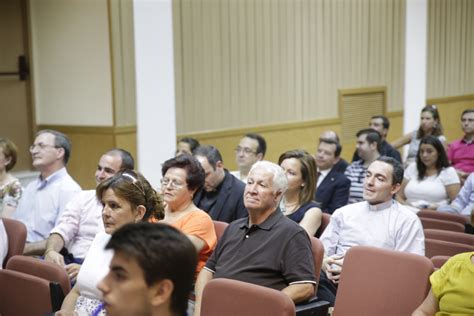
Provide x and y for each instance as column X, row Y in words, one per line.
column 431, row 189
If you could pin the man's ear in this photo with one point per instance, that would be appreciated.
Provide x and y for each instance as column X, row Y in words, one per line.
column 395, row 188
column 260, row 156
column 160, row 293
column 219, row 164
column 61, row 153
column 278, row 195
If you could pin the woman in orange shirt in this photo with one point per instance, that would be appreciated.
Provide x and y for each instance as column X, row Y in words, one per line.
column 182, row 177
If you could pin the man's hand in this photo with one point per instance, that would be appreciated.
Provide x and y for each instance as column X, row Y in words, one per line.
column 73, row 270
column 333, row 266
column 54, row 257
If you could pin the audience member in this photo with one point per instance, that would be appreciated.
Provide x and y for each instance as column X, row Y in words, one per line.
column 45, row 198
column 461, row 151
column 340, row 165
column 297, row 203
column 266, row 248
column 332, row 188
column 182, row 177
column 430, row 182
column 379, row 221
column 451, row 291
column 127, row 198
column 464, row 202
column 186, row 145
column 158, row 262
column 252, row 148
column 221, row 195
column 3, row 243
column 430, row 124
column 368, row 142
column 81, row 220
column 381, row 124
column 10, row 187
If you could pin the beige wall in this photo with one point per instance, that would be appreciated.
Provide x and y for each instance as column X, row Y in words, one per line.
column 71, row 62
column 450, row 48
column 248, row 63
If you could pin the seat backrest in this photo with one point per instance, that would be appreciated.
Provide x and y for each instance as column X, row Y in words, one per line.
column 318, row 256
column 325, row 219
column 435, row 247
column 377, row 281
column 23, row 294
column 443, row 216
column 219, row 227
column 231, row 297
column 431, row 223
column 16, row 232
column 42, row 269
column 446, row 235
column 438, row 261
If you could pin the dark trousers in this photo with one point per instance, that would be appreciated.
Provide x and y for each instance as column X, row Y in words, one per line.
column 326, row 289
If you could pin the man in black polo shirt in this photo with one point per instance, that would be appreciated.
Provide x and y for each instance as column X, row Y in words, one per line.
column 266, row 248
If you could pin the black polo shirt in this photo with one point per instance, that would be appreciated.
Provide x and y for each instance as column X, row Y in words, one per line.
column 274, row 254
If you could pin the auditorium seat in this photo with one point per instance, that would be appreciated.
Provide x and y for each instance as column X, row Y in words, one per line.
column 325, row 219
column 231, row 297
column 16, row 232
column 435, row 247
column 438, row 261
column 377, row 281
column 443, row 216
column 42, row 269
column 220, row 227
column 23, row 295
column 460, row 238
column 431, row 223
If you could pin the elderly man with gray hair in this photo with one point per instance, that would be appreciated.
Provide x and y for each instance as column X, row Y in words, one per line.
column 266, row 248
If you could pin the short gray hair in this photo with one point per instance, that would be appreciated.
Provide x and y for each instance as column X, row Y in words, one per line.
column 280, row 182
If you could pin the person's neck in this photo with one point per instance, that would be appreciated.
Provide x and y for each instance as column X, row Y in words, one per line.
column 49, row 170
column 258, row 217
column 244, row 172
column 468, row 137
column 431, row 171
column 4, row 176
column 371, row 158
column 292, row 198
column 178, row 208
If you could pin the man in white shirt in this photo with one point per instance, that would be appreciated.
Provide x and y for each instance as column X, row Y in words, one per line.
column 252, row 148
column 44, row 199
column 378, row 221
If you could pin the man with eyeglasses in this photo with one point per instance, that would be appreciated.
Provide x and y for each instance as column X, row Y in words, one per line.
column 252, row 148
column 44, row 199
column 70, row 239
column 222, row 194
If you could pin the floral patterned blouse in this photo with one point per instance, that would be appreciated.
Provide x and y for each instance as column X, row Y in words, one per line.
column 10, row 194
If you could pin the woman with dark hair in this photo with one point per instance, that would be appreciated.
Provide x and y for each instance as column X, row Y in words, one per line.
column 10, row 187
column 430, row 182
column 297, row 203
column 430, row 124
column 127, row 197
column 182, row 177
column 186, row 145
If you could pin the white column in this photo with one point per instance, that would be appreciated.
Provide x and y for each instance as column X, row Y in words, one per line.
column 156, row 123
column 415, row 62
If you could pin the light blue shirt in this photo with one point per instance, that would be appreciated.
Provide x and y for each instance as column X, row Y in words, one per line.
column 43, row 201
column 464, row 202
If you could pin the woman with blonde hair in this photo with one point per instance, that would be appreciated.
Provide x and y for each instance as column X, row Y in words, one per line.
column 297, row 202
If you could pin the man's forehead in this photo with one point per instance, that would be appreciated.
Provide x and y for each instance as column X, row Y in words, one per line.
column 110, row 159
column 45, row 137
column 382, row 168
column 248, row 142
column 260, row 173
column 329, row 146
column 204, row 162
